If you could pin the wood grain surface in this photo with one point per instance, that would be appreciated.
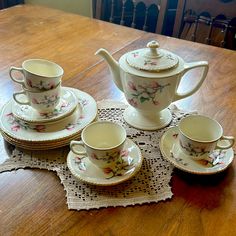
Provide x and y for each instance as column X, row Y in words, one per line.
column 32, row 202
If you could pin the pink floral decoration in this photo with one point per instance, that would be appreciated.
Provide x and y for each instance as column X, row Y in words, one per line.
column 132, row 102
column 77, row 159
column 51, row 86
column 29, row 83
column 39, row 128
column 70, row 126
column 34, row 101
column 94, row 156
column 9, row 114
column 84, row 102
column 135, row 54
column 132, row 86
column 124, row 153
column 155, row 102
column 64, row 104
column 43, row 113
column 107, row 170
column 175, row 135
column 154, row 85
column 15, row 127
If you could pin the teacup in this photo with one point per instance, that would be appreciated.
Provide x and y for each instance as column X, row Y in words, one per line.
column 42, row 101
column 102, row 142
column 200, row 135
column 38, row 74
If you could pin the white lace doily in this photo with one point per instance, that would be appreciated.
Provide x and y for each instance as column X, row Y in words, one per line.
column 151, row 184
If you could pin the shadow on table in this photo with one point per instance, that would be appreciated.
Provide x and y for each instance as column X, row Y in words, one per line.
column 203, row 191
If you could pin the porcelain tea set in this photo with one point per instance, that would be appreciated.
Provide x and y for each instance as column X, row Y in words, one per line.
column 46, row 115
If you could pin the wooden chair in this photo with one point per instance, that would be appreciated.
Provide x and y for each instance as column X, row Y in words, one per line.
column 147, row 15
column 206, row 21
column 207, row 29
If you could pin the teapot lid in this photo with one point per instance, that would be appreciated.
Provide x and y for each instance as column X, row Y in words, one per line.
column 152, row 59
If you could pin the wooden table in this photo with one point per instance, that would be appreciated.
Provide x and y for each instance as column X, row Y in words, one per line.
column 32, row 202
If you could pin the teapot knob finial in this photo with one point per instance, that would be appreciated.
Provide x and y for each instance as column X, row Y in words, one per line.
column 153, row 44
column 153, row 52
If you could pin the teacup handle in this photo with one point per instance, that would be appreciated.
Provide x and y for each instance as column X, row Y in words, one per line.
column 230, row 139
column 190, row 66
column 15, row 95
column 77, row 143
column 20, row 81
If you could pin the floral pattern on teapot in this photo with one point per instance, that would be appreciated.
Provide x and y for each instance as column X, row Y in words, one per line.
column 144, row 93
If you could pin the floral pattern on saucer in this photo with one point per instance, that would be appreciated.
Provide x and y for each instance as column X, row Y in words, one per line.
column 17, row 125
column 218, row 161
column 84, row 170
column 73, row 125
column 124, row 164
column 67, row 104
column 50, row 132
column 83, row 101
column 214, row 158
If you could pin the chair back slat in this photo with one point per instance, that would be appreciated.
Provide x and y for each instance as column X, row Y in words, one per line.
column 112, row 11
column 133, row 24
column 122, row 21
column 133, row 13
column 145, row 26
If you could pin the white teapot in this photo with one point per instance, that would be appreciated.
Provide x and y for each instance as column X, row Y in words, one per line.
column 150, row 78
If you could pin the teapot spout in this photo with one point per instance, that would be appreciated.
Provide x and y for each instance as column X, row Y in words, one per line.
column 113, row 66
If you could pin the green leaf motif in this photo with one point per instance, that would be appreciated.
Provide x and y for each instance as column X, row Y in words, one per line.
column 142, row 99
column 134, row 95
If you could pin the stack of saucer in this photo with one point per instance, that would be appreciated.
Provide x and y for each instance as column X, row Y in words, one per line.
column 23, row 126
column 44, row 115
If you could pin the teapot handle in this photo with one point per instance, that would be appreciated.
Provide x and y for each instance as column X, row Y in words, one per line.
column 190, row 66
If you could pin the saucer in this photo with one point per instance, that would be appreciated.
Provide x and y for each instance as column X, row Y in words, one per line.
column 84, row 170
column 171, row 150
column 68, row 103
column 50, row 133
